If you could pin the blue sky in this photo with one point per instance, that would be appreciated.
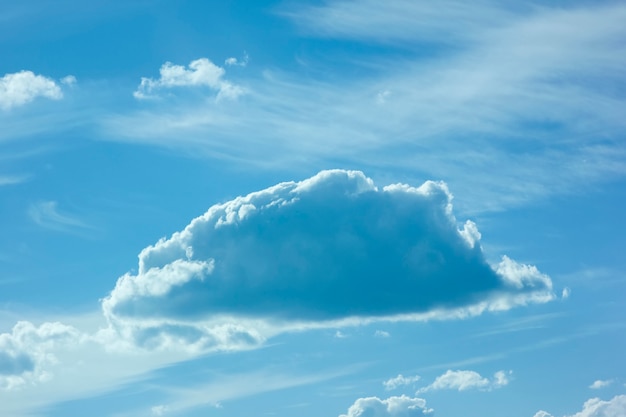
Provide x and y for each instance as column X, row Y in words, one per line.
column 318, row 208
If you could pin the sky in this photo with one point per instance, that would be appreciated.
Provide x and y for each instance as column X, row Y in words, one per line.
column 312, row 208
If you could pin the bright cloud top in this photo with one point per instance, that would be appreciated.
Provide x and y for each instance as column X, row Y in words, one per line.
column 466, row 380
column 330, row 248
column 22, row 87
column 200, row 73
column 402, row 406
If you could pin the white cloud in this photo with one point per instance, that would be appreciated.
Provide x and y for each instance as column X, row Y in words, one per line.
column 320, row 251
column 402, row 406
column 25, row 352
column 595, row 407
column 399, row 381
column 466, row 380
column 200, row 73
column 20, row 88
column 381, row 333
column 601, row 383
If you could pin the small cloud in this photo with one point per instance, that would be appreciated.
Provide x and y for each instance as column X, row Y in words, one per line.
column 238, row 63
column 402, row 406
column 47, row 215
column 68, row 80
column 22, row 87
column 381, row 333
column 382, row 96
column 158, row 410
column 12, row 179
column 598, row 384
column 542, row 413
column 565, row 293
column 466, row 380
column 200, row 73
column 340, row 335
column 400, row 381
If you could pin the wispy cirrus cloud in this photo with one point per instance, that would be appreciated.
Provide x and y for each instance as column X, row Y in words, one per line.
column 12, row 179
column 519, row 79
column 47, row 215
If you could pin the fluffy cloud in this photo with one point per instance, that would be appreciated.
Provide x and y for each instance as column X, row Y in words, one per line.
column 333, row 247
column 595, row 407
column 23, row 87
column 27, row 349
column 199, row 73
column 466, row 380
column 402, row 406
column 399, row 381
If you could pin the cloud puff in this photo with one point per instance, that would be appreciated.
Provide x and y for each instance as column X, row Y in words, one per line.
column 330, row 248
column 595, row 407
column 200, row 73
column 25, row 351
column 402, row 406
column 601, row 383
column 399, row 381
column 22, row 87
column 466, row 380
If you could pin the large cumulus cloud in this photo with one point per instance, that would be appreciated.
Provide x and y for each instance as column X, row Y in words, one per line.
column 329, row 248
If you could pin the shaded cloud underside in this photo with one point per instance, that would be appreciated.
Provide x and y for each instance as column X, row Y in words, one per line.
column 329, row 248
